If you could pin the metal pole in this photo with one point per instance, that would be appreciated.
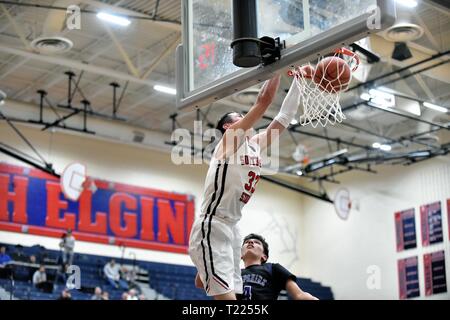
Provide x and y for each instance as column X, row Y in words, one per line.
column 246, row 53
column 42, row 93
column 311, row 193
column 70, row 74
column 85, row 103
column 31, row 163
column 115, row 86
column 368, row 83
column 337, row 140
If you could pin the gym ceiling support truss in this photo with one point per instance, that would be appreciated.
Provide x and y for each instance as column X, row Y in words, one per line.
column 72, row 89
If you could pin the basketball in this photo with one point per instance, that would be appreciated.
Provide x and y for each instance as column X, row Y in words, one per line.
column 332, row 74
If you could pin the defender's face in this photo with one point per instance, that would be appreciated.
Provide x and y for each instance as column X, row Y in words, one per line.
column 253, row 248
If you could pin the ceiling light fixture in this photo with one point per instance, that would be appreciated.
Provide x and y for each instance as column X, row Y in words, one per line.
column 121, row 21
column 164, row 89
column 435, row 107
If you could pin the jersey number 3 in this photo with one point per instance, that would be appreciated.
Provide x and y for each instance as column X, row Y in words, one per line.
column 250, row 186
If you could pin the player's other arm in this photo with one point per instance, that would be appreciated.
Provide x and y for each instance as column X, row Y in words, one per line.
column 287, row 113
column 232, row 138
column 296, row 293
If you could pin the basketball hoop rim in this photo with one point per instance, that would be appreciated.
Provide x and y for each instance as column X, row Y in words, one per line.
column 350, row 54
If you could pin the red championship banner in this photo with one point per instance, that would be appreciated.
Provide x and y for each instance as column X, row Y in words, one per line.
column 405, row 229
column 434, row 268
column 408, row 278
column 448, row 217
column 431, row 223
column 32, row 202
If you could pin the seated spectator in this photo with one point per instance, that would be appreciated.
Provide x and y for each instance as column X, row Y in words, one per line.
column 97, row 294
column 31, row 269
column 125, row 296
column 40, row 280
column 112, row 274
column 33, row 259
column 61, row 274
column 132, row 295
column 130, row 277
column 4, row 257
column 65, row 295
column 18, row 254
column 105, row 295
column 5, row 270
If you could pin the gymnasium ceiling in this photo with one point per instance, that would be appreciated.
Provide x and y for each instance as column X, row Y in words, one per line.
column 145, row 51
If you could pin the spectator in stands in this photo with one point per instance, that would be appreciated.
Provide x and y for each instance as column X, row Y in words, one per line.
column 263, row 280
column 33, row 259
column 130, row 277
column 142, row 297
column 125, row 296
column 4, row 257
column 105, row 295
column 5, row 270
column 112, row 274
column 40, row 280
column 67, row 246
column 33, row 268
column 18, row 254
column 132, row 295
column 61, row 274
column 97, row 294
column 65, row 295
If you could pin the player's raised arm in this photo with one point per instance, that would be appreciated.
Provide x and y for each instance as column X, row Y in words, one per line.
column 263, row 101
column 232, row 138
column 287, row 113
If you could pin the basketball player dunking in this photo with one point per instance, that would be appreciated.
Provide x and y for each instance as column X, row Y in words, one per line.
column 215, row 241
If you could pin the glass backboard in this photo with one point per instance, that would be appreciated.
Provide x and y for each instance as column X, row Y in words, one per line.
column 307, row 28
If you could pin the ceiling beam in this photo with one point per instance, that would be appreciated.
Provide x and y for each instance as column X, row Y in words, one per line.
column 17, row 28
column 164, row 54
column 133, row 70
column 117, row 75
column 441, row 5
column 385, row 48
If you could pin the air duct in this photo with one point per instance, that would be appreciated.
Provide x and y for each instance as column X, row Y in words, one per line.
column 51, row 40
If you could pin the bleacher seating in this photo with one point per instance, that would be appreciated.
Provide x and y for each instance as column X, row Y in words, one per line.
column 169, row 281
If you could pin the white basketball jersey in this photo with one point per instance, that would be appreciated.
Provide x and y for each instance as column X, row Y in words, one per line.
column 230, row 184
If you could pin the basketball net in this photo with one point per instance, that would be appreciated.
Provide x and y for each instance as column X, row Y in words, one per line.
column 322, row 106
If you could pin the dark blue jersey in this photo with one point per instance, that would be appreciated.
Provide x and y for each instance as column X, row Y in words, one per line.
column 265, row 281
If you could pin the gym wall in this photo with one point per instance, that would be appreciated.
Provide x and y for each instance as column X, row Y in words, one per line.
column 340, row 253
